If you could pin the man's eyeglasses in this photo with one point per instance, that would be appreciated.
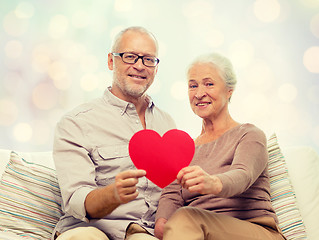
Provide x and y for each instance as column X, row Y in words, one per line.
column 132, row 58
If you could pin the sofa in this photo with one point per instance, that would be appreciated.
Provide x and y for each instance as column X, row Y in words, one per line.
column 30, row 200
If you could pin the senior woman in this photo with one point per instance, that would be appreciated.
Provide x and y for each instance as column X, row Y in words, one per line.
column 224, row 193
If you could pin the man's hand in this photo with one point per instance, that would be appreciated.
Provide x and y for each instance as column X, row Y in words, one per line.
column 102, row 201
column 195, row 179
column 125, row 189
column 159, row 228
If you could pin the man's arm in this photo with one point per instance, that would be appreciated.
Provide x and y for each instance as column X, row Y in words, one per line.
column 102, row 201
column 83, row 198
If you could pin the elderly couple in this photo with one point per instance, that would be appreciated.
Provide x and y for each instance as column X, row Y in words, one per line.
column 223, row 194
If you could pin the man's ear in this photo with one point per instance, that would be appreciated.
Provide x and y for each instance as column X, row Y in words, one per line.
column 110, row 61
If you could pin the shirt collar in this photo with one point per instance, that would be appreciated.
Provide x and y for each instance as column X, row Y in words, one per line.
column 123, row 105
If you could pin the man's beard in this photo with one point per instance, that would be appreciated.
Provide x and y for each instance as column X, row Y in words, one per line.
column 134, row 91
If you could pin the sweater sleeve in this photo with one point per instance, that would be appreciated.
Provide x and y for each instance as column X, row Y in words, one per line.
column 170, row 201
column 250, row 160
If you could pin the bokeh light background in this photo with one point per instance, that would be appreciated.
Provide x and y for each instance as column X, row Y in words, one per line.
column 54, row 57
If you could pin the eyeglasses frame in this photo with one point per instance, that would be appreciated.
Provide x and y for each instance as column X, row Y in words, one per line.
column 138, row 57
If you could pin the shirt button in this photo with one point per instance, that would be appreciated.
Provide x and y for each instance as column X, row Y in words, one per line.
column 137, row 121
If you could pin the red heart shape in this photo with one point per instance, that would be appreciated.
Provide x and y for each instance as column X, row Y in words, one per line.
column 161, row 157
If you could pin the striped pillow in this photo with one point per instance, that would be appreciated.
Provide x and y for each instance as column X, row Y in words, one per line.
column 282, row 194
column 30, row 199
column 11, row 236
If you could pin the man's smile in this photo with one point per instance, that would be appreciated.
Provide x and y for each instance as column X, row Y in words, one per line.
column 137, row 76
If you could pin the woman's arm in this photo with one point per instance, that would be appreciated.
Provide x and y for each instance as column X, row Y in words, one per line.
column 159, row 228
column 250, row 161
column 247, row 165
column 170, row 200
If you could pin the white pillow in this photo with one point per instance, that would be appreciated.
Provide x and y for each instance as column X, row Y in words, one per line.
column 303, row 167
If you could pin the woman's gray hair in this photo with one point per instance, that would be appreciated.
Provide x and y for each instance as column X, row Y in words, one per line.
column 223, row 66
column 118, row 37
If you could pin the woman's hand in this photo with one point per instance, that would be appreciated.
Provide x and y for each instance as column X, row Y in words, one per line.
column 159, row 228
column 195, row 179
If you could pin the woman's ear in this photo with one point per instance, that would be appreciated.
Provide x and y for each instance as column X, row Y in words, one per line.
column 230, row 93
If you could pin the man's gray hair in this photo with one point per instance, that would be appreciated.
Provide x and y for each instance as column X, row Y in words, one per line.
column 118, row 37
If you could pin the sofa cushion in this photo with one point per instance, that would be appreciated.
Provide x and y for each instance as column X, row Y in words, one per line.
column 283, row 195
column 303, row 166
column 30, row 199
